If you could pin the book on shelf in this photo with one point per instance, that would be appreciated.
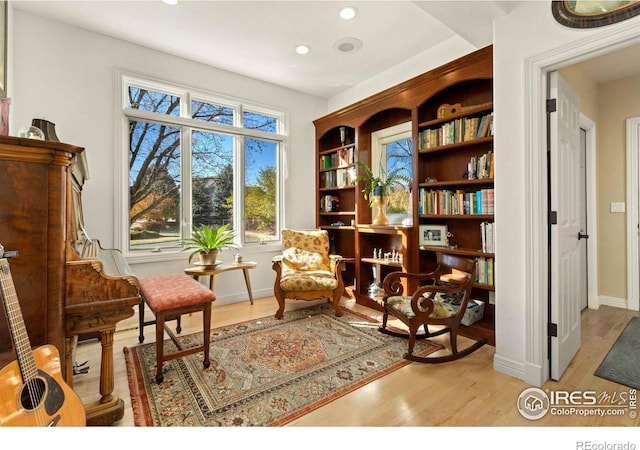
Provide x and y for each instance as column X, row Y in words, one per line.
column 346, row 176
column 484, row 270
column 458, row 130
column 328, row 179
column 329, row 203
column 487, row 237
column 480, row 167
column 343, row 157
column 481, row 125
column 458, row 202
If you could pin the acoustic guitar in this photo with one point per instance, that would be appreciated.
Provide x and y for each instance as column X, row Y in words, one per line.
column 32, row 389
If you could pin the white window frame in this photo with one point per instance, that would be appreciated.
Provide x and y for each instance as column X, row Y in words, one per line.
column 124, row 113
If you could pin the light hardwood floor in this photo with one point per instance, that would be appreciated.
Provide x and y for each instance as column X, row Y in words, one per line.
column 467, row 392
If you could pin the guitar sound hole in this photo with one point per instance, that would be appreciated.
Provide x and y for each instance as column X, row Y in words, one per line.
column 32, row 394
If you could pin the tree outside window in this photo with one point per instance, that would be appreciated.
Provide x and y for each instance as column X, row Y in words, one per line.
column 217, row 164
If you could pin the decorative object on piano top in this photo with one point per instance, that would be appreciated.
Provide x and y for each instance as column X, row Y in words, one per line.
column 47, row 128
column 5, row 106
column 207, row 241
column 31, row 132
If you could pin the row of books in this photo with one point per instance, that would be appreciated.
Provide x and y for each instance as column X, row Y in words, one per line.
column 458, row 130
column 458, row 202
column 487, row 237
column 343, row 157
column 338, row 177
column 480, row 167
column 329, row 203
column 484, row 271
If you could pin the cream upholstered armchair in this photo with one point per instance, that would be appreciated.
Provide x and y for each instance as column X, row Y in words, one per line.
column 306, row 271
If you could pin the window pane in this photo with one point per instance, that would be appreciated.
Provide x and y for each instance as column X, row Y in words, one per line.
column 211, row 112
column 399, row 158
column 152, row 101
column 261, row 190
column 260, row 122
column 154, row 185
column 212, row 178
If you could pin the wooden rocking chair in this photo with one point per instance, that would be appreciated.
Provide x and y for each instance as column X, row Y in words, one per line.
column 451, row 280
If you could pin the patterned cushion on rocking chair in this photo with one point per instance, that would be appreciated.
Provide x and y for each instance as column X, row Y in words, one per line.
column 441, row 308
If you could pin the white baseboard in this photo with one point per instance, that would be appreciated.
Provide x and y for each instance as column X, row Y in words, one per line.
column 509, row 367
column 612, row 301
column 243, row 296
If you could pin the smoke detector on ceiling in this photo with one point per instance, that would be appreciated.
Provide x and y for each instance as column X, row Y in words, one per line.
column 347, row 45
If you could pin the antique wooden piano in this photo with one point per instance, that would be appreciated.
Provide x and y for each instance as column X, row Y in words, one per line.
column 67, row 284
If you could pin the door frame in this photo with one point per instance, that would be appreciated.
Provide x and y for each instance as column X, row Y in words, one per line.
column 536, row 364
column 592, row 214
column 633, row 186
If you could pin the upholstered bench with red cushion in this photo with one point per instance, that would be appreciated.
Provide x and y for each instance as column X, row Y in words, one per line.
column 169, row 296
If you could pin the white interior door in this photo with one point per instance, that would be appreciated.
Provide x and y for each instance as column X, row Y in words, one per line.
column 564, row 187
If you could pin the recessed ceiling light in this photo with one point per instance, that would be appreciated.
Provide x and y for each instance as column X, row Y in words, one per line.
column 170, row 2
column 348, row 12
column 302, row 49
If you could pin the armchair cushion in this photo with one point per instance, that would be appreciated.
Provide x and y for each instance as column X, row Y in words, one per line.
column 312, row 240
column 306, row 250
column 316, row 280
column 299, row 259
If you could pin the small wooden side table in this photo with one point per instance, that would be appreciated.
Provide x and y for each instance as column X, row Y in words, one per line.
column 201, row 271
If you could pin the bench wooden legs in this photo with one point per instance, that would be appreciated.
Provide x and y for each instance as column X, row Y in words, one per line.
column 161, row 357
column 162, row 317
column 169, row 296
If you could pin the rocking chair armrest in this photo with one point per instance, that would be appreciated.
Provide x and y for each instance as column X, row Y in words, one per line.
column 424, row 306
column 392, row 283
column 421, row 306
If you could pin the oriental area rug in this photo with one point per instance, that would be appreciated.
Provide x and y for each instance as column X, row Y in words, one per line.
column 264, row 372
column 622, row 365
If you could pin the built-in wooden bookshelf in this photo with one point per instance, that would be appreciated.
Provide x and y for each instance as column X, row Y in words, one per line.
column 451, row 114
column 455, row 174
column 336, row 200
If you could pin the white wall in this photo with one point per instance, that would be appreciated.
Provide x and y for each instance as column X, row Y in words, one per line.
column 67, row 76
column 527, row 39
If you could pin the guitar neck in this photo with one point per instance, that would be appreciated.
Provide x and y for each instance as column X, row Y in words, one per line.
column 17, row 328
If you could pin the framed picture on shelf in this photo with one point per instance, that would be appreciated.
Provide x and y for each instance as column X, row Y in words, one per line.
column 434, row 235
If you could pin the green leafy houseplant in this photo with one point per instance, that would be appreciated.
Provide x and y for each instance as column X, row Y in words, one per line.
column 207, row 238
column 379, row 185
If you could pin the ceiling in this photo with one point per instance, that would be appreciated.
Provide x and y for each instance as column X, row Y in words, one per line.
column 258, row 38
